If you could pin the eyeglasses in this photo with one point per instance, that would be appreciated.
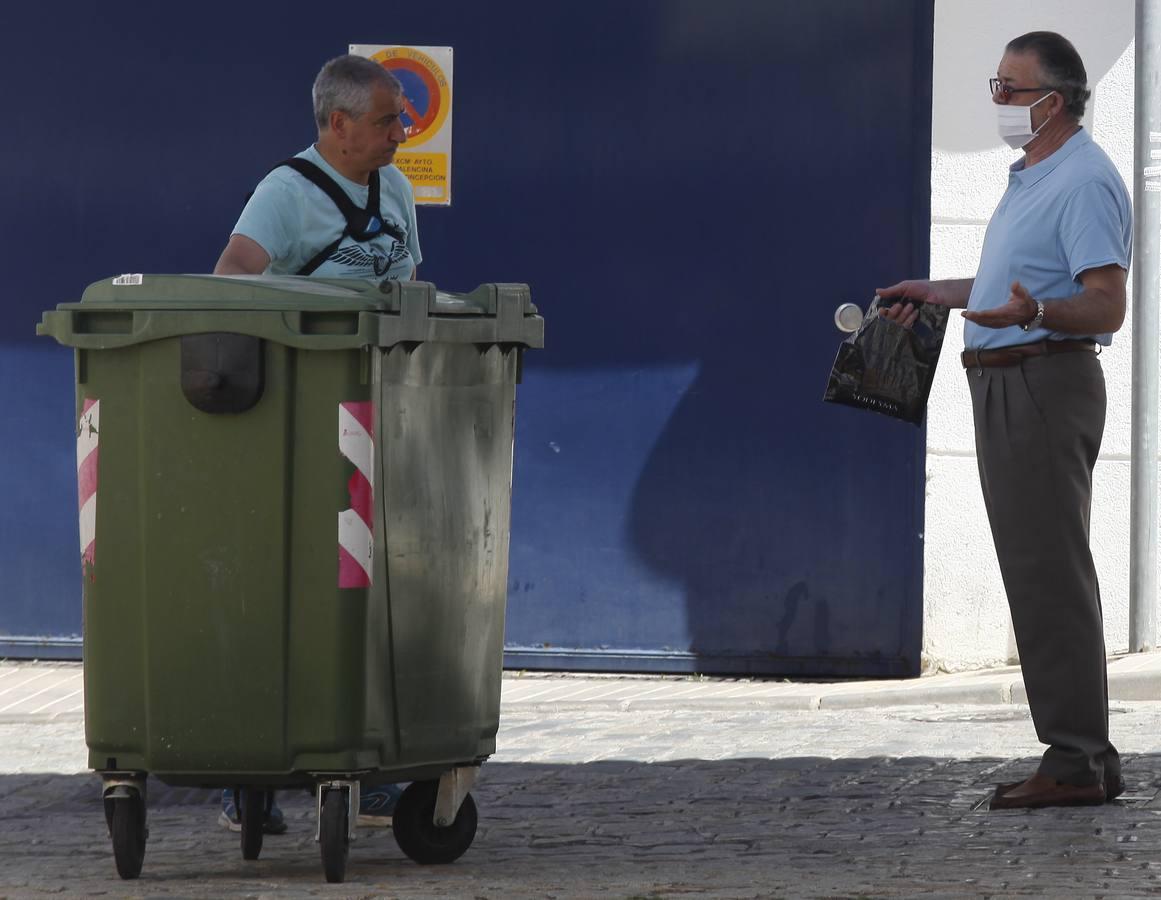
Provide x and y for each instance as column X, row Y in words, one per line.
column 1005, row 92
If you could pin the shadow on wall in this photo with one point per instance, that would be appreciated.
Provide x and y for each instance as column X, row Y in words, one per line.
column 753, row 496
column 970, row 40
column 682, row 490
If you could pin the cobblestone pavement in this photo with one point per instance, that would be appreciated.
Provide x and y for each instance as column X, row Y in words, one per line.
column 599, row 800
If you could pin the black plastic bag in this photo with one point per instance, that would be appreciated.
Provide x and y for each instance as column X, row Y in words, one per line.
column 887, row 368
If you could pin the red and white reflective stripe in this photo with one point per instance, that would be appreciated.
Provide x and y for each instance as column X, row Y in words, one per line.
column 356, row 543
column 88, row 431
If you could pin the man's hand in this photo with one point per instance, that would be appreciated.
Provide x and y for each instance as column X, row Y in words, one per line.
column 1019, row 310
column 903, row 313
column 952, row 294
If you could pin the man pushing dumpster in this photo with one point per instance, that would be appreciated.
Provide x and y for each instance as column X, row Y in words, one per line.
column 299, row 576
column 338, row 209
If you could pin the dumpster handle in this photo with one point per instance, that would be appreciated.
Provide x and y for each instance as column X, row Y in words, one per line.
column 112, row 329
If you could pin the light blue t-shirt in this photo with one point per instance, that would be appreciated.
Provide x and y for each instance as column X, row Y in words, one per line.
column 293, row 220
column 1068, row 213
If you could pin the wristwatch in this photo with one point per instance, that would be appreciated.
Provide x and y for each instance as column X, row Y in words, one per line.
column 1037, row 320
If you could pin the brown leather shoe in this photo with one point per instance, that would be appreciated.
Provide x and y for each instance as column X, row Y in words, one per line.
column 1113, row 789
column 1040, row 791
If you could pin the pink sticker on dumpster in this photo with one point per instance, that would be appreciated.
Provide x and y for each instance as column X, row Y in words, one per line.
column 88, row 432
column 356, row 540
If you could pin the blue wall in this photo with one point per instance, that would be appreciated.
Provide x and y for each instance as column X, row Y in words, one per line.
column 690, row 187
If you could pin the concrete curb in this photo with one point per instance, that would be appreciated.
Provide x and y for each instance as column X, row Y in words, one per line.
column 41, row 693
column 1132, row 678
column 951, row 695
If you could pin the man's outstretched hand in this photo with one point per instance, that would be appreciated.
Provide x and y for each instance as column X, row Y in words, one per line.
column 1019, row 310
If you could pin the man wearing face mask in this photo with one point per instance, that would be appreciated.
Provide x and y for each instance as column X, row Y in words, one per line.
column 1049, row 291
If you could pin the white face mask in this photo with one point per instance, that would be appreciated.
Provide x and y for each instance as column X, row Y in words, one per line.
column 1014, row 123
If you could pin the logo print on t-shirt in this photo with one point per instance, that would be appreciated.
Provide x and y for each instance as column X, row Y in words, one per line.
column 353, row 256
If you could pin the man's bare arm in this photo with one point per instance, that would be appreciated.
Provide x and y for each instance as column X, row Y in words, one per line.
column 242, row 256
column 1098, row 309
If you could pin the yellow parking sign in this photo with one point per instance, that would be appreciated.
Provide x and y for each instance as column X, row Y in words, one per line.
column 426, row 76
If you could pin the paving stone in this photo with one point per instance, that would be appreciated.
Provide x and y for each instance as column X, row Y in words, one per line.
column 709, row 800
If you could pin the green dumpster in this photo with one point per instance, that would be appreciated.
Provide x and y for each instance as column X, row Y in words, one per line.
column 295, row 504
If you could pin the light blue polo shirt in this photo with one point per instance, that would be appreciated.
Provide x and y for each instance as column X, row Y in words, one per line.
column 293, row 220
column 1068, row 213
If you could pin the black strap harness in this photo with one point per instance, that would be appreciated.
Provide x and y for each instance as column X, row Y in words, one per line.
column 362, row 224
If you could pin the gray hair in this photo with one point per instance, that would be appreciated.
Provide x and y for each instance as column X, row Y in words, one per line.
column 345, row 84
column 1060, row 65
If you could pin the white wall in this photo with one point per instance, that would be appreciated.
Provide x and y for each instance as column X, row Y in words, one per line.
column 966, row 623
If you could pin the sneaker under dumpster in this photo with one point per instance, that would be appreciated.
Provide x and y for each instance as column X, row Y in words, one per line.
column 295, row 503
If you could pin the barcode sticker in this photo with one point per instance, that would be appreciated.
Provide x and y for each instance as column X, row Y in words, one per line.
column 128, row 279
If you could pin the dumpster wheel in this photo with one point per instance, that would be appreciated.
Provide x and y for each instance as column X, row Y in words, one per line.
column 333, row 840
column 253, row 809
column 419, row 837
column 127, row 828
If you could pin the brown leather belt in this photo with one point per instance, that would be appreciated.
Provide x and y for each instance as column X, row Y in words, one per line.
column 1013, row 356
